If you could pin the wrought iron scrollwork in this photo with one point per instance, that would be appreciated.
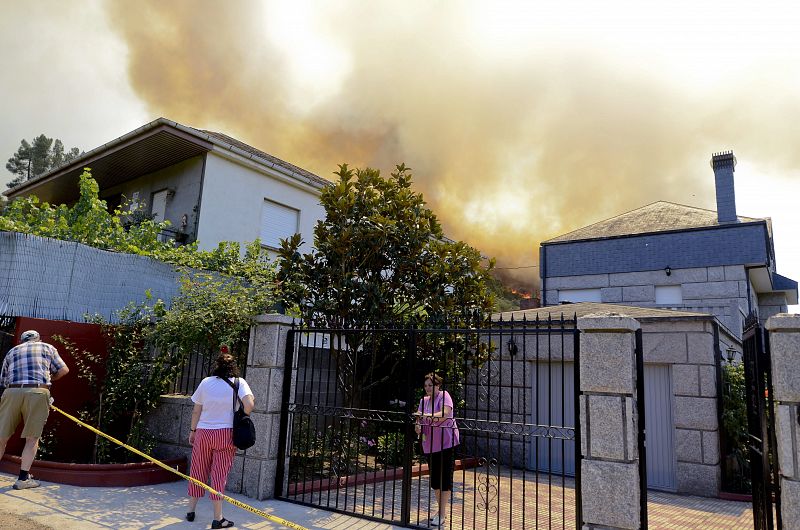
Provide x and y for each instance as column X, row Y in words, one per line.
column 488, row 486
column 488, row 374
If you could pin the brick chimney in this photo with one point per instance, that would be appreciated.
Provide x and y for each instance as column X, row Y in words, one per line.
column 723, row 165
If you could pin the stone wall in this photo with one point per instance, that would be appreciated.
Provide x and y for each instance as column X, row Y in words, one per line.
column 609, row 423
column 771, row 304
column 688, row 346
column 720, row 291
column 503, row 391
column 785, row 353
column 253, row 471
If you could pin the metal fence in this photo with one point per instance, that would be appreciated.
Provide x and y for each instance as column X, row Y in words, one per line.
column 764, row 475
column 199, row 365
column 351, row 418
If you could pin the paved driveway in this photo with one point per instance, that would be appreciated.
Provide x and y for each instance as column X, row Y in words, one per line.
column 162, row 506
column 506, row 500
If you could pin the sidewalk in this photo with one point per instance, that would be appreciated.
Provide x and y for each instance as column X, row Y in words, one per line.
column 61, row 507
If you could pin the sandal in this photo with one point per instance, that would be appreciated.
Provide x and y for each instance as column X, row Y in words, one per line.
column 190, row 516
column 222, row 523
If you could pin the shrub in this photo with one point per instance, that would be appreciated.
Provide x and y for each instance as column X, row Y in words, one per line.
column 390, row 448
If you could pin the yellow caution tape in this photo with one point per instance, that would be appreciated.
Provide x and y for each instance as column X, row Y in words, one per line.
column 206, row 487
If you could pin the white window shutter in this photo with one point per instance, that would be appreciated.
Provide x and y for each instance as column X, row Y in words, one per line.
column 277, row 222
column 579, row 295
column 159, row 207
column 669, row 294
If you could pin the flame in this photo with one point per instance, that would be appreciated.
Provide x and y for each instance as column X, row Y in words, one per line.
column 525, row 295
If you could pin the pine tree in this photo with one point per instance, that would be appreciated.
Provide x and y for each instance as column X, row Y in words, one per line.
column 39, row 156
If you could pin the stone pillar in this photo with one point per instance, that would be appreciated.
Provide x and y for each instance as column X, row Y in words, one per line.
column 254, row 470
column 784, row 340
column 609, row 470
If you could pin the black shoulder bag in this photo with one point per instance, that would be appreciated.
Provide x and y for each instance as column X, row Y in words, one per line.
column 244, row 432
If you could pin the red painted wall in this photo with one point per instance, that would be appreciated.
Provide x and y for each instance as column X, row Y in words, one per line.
column 71, row 393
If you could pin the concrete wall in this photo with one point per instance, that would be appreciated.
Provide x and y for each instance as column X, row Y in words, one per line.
column 720, row 291
column 233, row 195
column 184, row 178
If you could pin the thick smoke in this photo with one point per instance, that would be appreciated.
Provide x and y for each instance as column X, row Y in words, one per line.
column 510, row 146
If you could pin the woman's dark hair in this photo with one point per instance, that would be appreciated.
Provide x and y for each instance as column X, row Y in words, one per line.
column 435, row 378
column 226, row 366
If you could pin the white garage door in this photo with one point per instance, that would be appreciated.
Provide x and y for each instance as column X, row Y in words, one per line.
column 550, row 454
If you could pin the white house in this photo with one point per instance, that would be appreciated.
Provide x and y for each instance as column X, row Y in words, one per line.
column 211, row 187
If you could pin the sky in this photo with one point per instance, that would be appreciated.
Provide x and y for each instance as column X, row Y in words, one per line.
column 521, row 121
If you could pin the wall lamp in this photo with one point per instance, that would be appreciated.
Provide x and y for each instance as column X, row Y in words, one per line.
column 668, row 270
column 512, row 347
column 730, row 353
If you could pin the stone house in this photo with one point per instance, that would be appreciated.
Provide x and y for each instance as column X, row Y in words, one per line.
column 209, row 186
column 668, row 255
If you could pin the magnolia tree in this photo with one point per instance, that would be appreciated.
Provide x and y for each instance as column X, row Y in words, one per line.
column 380, row 258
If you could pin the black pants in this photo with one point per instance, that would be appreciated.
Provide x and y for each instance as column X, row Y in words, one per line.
column 441, row 469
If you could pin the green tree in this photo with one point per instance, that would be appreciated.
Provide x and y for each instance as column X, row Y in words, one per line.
column 37, row 157
column 59, row 157
column 380, row 256
column 221, row 291
column 736, row 471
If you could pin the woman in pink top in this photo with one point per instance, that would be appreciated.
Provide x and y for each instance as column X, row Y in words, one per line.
column 439, row 432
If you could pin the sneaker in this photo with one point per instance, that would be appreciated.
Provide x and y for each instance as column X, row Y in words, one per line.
column 26, row 484
column 436, row 520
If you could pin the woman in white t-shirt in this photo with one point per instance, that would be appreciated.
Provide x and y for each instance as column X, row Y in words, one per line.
column 211, row 435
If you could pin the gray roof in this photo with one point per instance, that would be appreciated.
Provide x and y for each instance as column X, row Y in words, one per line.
column 266, row 156
column 659, row 216
column 782, row 283
column 582, row 309
column 151, row 147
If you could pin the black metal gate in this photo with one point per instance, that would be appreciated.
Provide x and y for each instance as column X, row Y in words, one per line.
column 350, row 420
column 761, row 427
column 641, row 435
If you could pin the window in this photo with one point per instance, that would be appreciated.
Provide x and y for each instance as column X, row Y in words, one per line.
column 277, row 222
column 579, row 295
column 159, row 206
column 669, row 294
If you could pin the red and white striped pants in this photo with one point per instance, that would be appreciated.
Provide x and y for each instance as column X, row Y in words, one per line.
column 212, row 453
